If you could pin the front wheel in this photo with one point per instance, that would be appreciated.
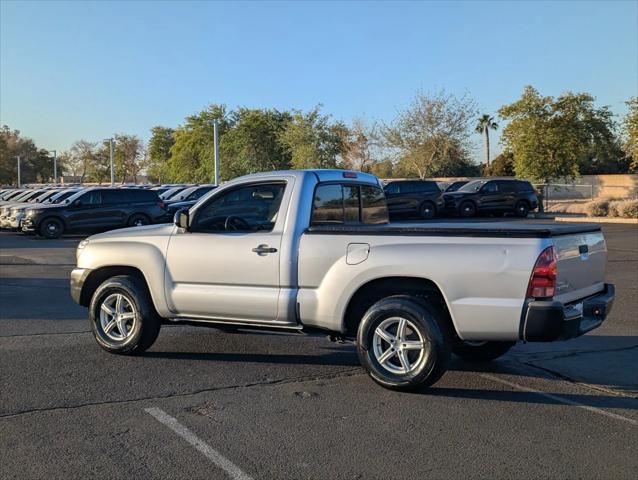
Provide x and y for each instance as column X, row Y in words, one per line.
column 403, row 344
column 51, row 228
column 122, row 316
column 481, row 351
column 467, row 209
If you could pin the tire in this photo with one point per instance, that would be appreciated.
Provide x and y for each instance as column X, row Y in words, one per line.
column 467, row 209
column 138, row 220
column 481, row 351
column 422, row 323
column 142, row 325
column 427, row 211
column 521, row 209
column 51, row 228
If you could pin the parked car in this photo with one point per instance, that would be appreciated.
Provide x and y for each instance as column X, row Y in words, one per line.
column 492, row 196
column 191, row 193
column 454, row 186
column 7, row 209
column 95, row 209
column 17, row 196
column 9, row 193
column 17, row 212
column 171, row 192
column 303, row 251
column 421, row 198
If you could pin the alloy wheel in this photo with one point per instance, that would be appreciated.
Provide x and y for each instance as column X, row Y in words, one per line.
column 117, row 317
column 398, row 345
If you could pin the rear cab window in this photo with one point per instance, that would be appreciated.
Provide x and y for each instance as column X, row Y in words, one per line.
column 348, row 203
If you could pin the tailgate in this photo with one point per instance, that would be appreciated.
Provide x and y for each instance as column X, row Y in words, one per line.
column 581, row 259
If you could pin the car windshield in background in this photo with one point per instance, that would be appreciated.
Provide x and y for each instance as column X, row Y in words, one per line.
column 474, row 186
column 60, row 196
column 42, row 197
column 75, row 196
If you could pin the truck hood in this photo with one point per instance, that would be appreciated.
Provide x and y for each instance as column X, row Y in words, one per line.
column 162, row 230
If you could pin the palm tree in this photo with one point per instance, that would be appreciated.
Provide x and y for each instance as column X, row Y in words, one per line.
column 483, row 126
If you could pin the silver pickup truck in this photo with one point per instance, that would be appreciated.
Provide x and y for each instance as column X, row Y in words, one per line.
column 308, row 251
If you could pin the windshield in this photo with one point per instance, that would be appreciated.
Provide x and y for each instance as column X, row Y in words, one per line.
column 42, row 197
column 75, row 196
column 472, row 186
column 171, row 193
column 26, row 196
column 58, row 197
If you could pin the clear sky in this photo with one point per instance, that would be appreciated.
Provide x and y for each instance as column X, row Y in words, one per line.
column 71, row 70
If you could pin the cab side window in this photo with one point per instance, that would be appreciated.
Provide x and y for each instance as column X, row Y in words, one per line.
column 249, row 208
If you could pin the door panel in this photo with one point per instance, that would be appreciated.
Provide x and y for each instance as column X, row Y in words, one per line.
column 219, row 276
column 219, row 273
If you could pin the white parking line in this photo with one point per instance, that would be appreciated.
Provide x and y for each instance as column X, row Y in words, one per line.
column 213, row 455
column 556, row 398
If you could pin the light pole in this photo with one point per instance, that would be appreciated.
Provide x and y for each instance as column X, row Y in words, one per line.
column 216, row 142
column 110, row 140
column 18, row 157
column 55, row 165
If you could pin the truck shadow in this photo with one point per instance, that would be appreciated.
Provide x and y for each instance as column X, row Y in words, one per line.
column 594, row 356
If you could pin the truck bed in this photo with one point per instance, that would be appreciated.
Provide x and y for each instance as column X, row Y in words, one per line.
column 459, row 229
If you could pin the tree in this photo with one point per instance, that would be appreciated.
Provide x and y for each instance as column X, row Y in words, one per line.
column 159, row 153
column 82, row 158
column 192, row 155
column 361, row 146
column 549, row 137
column 127, row 155
column 313, row 140
column 483, row 126
column 100, row 167
column 432, row 136
column 501, row 166
column 630, row 126
column 35, row 165
column 252, row 144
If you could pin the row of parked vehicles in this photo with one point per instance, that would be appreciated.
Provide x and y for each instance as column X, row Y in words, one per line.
column 51, row 211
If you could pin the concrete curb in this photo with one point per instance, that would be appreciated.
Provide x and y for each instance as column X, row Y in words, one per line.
column 630, row 221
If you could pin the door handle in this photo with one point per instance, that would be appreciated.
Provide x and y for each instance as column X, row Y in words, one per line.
column 264, row 249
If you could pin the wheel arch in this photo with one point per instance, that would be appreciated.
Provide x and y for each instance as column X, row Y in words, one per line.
column 99, row 275
column 374, row 290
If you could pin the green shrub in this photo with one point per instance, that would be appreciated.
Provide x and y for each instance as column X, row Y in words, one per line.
column 597, row 208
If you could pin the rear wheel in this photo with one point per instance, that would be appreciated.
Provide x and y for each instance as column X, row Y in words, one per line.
column 481, row 351
column 467, row 209
column 51, row 228
column 521, row 209
column 427, row 210
column 122, row 316
column 403, row 344
column 138, row 220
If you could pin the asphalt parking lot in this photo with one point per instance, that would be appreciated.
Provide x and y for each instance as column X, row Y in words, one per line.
column 206, row 404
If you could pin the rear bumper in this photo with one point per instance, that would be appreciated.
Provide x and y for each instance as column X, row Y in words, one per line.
column 547, row 321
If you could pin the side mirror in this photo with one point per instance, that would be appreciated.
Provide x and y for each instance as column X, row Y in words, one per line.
column 181, row 219
column 77, row 203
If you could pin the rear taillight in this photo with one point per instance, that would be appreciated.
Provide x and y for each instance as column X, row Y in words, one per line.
column 162, row 205
column 542, row 284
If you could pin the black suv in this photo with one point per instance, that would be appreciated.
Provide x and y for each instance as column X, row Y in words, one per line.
column 95, row 209
column 492, row 196
column 414, row 197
